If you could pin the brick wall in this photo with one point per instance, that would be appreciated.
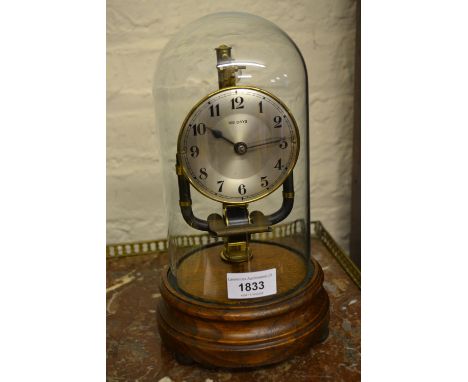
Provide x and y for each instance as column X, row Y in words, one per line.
column 137, row 31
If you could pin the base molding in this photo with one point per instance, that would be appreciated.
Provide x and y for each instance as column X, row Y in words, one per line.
column 244, row 335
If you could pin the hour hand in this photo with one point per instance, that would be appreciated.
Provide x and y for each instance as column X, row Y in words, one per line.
column 218, row 134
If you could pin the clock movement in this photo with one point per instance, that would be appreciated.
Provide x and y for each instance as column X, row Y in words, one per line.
column 241, row 289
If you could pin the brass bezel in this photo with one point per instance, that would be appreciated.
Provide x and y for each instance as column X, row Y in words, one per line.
column 267, row 192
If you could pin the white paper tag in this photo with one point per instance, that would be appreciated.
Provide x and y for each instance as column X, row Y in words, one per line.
column 251, row 284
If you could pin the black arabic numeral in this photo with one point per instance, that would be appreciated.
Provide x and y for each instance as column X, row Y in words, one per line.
column 221, row 183
column 214, row 110
column 283, row 144
column 263, row 181
column 260, row 105
column 237, row 103
column 194, row 151
column 278, row 165
column 278, row 121
column 242, row 190
column 199, row 129
column 203, row 174
column 262, row 285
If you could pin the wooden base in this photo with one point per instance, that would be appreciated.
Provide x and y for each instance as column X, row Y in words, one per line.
column 244, row 335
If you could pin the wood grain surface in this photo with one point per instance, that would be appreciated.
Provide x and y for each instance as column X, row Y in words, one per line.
column 251, row 334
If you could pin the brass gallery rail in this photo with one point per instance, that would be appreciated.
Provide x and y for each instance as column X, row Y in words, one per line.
column 120, row 250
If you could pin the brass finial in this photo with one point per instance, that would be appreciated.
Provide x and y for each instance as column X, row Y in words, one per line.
column 226, row 72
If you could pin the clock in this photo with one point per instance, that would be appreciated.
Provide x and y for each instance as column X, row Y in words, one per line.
column 241, row 289
column 238, row 145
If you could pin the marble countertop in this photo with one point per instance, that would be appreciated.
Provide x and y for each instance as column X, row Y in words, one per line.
column 135, row 352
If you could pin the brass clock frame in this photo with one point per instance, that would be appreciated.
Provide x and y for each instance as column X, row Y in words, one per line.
column 181, row 152
column 237, row 235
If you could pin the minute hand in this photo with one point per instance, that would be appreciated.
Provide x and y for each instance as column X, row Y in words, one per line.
column 269, row 142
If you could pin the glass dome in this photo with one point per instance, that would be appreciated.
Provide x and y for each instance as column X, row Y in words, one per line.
column 231, row 101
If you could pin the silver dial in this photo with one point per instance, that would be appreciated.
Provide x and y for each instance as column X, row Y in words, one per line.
column 238, row 144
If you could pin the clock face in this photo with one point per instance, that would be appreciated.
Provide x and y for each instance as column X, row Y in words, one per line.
column 238, row 145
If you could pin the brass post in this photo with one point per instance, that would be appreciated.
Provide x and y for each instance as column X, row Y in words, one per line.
column 226, row 72
column 236, row 247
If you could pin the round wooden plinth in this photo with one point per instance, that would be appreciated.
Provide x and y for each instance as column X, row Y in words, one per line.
column 244, row 335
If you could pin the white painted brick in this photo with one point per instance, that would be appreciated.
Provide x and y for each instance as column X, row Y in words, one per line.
column 132, row 133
